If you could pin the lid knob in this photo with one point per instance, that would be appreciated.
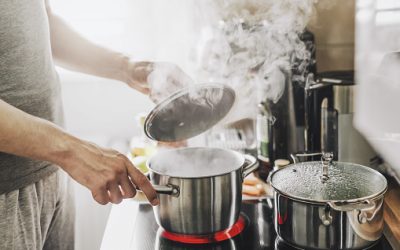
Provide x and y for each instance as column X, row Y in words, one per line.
column 326, row 160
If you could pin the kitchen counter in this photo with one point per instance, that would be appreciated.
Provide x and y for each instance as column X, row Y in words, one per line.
column 120, row 226
column 391, row 213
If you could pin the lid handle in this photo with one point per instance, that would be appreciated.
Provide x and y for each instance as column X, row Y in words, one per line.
column 326, row 160
column 295, row 157
column 250, row 164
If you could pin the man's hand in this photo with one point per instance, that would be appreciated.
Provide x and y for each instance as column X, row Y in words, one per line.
column 156, row 79
column 108, row 174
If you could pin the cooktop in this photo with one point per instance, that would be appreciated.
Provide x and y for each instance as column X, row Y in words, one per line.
column 259, row 232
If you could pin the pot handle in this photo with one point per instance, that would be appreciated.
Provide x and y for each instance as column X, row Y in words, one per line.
column 346, row 207
column 295, row 157
column 167, row 189
column 250, row 164
column 361, row 208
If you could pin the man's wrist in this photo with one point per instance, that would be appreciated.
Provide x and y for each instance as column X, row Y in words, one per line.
column 63, row 148
column 123, row 62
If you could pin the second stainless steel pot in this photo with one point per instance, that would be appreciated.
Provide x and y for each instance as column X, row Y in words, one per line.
column 321, row 226
column 196, row 198
column 329, row 205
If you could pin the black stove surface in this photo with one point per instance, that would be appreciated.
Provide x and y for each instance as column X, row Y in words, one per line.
column 258, row 234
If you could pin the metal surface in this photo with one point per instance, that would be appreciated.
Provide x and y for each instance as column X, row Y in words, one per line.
column 348, row 182
column 326, row 162
column 204, row 205
column 292, row 110
column 189, row 112
column 343, row 98
column 167, row 189
column 344, row 211
column 319, row 226
column 336, row 131
column 329, row 130
column 251, row 164
column 295, row 157
column 287, row 131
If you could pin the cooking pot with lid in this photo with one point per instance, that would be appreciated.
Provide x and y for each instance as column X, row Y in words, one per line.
column 200, row 189
column 328, row 205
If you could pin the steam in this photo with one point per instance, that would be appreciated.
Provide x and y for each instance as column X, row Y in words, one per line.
column 195, row 162
column 251, row 45
column 165, row 79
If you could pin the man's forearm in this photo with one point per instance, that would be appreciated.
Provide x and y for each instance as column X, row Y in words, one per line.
column 107, row 173
column 28, row 136
column 73, row 51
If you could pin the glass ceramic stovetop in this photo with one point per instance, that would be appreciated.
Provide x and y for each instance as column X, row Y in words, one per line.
column 258, row 234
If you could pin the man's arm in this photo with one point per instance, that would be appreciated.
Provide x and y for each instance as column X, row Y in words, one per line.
column 108, row 174
column 73, row 51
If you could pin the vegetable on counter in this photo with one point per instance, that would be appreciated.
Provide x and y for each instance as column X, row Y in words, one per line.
column 253, row 186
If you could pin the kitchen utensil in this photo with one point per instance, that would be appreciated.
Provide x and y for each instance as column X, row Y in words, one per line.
column 201, row 188
column 293, row 109
column 333, row 93
column 329, row 205
column 189, row 112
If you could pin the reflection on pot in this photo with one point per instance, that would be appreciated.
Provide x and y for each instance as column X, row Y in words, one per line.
column 322, row 227
column 328, row 205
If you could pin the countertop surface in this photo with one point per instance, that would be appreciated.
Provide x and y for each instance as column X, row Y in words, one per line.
column 120, row 226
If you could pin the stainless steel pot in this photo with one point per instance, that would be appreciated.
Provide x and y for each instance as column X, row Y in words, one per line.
column 329, row 205
column 200, row 189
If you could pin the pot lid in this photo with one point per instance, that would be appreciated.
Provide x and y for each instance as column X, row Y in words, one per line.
column 195, row 162
column 344, row 182
column 189, row 112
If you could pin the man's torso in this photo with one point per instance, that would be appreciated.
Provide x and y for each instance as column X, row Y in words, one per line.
column 28, row 81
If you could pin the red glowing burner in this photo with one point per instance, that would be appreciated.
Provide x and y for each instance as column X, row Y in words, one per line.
column 229, row 233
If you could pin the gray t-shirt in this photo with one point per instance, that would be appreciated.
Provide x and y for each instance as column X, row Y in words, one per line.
column 28, row 81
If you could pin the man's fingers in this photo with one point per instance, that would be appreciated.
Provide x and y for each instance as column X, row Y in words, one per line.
column 144, row 89
column 101, row 196
column 128, row 189
column 143, row 183
column 115, row 193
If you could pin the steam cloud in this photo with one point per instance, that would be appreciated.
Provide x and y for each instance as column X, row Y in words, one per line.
column 250, row 45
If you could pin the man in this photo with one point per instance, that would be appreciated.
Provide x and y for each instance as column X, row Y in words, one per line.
column 35, row 206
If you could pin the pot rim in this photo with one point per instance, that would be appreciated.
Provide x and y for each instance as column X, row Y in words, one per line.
column 234, row 153
column 350, row 201
column 316, row 202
